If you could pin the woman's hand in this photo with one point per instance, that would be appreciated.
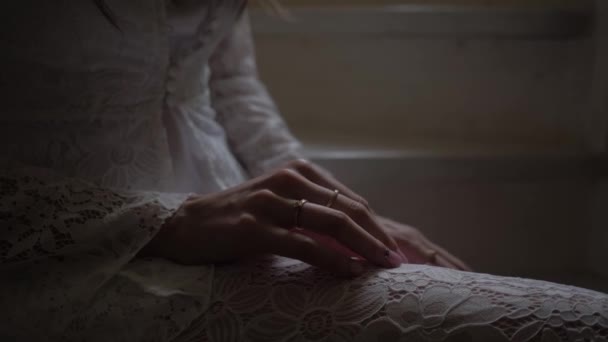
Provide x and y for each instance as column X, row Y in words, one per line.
column 259, row 216
column 418, row 249
column 412, row 245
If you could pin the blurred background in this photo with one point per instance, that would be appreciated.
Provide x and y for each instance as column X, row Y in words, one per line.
column 483, row 123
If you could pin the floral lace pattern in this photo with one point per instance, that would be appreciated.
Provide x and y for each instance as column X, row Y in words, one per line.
column 172, row 104
column 101, row 117
column 280, row 299
column 239, row 96
column 64, row 243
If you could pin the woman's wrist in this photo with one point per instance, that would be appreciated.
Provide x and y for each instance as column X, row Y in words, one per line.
column 166, row 236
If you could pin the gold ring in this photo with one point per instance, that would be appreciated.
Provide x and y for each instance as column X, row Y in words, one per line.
column 298, row 205
column 333, row 198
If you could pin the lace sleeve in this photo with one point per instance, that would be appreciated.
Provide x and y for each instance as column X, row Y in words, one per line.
column 64, row 245
column 257, row 133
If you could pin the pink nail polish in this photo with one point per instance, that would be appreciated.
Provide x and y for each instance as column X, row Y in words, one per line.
column 393, row 258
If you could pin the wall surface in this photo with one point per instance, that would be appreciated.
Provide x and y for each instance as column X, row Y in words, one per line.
column 597, row 126
column 397, row 90
column 598, row 133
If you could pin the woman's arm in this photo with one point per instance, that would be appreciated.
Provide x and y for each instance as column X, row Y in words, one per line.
column 256, row 132
column 63, row 245
column 68, row 247
column 262, row 141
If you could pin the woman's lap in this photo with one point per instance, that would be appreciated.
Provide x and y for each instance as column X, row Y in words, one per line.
column 282, row 299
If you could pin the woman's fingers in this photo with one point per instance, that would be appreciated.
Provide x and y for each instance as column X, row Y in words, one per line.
column 425, row 252
column 291, row 244
column 291, row 184
column 317, row 186
column 323, row 178
column 416, row 253
column 281, row 212
column 341, row 227
column 419, row 249
column 458, row 264
column 442, row 261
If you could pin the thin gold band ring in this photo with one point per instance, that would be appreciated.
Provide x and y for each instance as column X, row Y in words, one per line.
column 333, row 198
column 298, row 205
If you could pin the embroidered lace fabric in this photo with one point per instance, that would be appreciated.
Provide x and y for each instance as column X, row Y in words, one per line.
column 94, row 122
column 171, row 103
column 280, row 299
column 65, row 250
column 115, row 127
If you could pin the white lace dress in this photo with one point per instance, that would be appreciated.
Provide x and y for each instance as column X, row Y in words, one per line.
column 103, row 133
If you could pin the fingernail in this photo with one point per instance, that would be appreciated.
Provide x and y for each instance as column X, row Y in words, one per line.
column 356, row 266
column 393, row 258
